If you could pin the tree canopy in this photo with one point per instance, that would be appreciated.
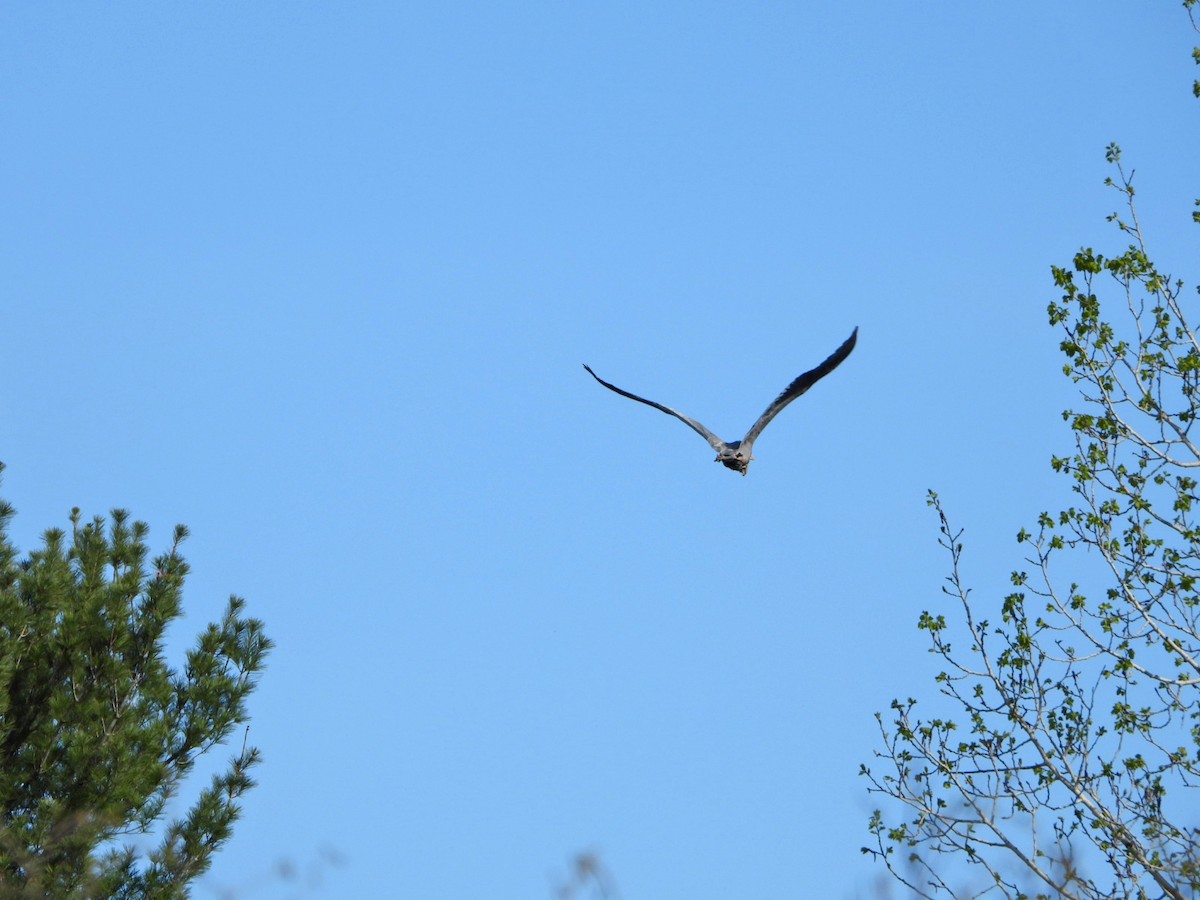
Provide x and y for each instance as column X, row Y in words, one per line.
column 97, row 731
column 1069, row 762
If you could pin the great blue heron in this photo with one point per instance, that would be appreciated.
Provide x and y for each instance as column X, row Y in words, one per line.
column 737, row 455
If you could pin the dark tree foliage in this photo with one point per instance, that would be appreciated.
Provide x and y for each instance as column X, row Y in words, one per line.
column 1069, row 764
column 97, row 731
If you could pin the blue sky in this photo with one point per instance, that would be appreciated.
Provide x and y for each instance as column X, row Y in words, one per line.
column 317, row 280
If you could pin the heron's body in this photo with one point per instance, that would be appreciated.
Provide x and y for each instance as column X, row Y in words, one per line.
column 737, row 455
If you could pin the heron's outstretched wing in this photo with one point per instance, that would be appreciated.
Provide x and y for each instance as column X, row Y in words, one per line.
column 799, row 386
column 715, row 442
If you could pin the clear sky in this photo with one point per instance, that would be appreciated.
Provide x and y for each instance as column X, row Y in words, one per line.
column 316, row 279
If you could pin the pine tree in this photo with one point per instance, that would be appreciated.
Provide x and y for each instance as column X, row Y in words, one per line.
column 97, row 731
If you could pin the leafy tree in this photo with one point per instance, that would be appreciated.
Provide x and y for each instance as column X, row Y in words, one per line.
column 1069, row 765
column 97, row 732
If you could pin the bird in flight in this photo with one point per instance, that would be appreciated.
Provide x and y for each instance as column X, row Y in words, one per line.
column 737, row 455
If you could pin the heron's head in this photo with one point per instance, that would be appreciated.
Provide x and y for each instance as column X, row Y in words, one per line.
column 731, row 456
